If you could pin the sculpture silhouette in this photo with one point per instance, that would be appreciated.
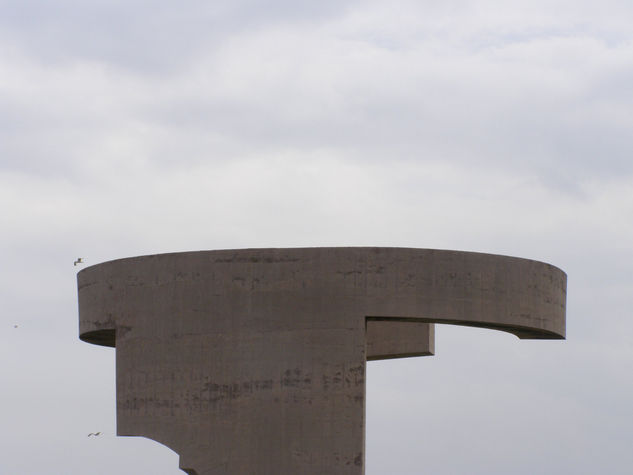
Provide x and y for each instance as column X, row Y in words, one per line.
column 253, row 361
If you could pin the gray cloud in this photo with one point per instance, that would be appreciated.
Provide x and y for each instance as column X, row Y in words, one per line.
column 551, row 102
column 143, row 36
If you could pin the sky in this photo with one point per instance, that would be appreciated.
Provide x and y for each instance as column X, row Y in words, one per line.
column 138, row 127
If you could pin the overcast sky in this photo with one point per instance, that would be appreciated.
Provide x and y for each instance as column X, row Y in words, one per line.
column 139, row 127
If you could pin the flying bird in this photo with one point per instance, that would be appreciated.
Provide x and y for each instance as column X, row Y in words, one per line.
column 78, row 261
column 96, row 434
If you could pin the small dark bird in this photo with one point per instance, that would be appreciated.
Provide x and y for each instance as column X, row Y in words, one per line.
column 78, row 261
column 96, row 434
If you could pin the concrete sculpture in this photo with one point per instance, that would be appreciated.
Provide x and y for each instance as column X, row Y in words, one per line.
column 253, row 361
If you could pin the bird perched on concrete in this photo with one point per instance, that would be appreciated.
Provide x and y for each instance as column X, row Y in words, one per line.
column 78, row 261
column 96, row 434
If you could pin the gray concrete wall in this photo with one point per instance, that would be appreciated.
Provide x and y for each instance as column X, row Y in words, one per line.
column 253, row 361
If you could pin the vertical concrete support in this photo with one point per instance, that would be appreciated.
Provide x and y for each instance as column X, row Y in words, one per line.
column 253, row 361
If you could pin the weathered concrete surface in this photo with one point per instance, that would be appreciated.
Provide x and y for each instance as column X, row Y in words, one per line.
column 253, row 361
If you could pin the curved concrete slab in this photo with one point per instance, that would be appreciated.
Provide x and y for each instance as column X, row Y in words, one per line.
column 253, row 361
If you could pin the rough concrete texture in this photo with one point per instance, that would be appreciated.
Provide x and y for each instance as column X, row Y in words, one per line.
column 253, row 361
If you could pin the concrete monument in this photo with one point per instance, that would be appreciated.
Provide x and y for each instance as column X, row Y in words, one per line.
column 253, row 361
